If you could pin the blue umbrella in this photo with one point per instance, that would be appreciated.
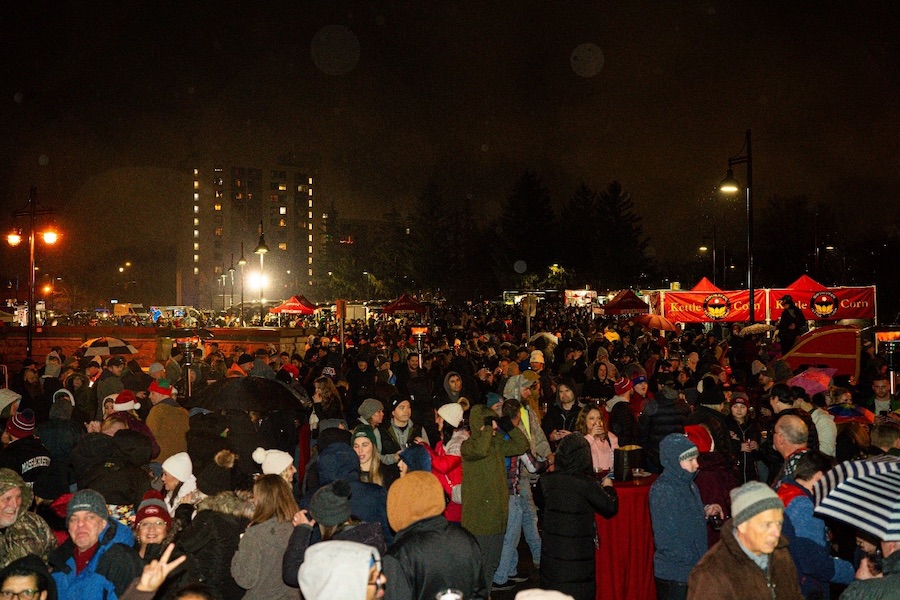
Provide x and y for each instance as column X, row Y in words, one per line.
column 863, row 493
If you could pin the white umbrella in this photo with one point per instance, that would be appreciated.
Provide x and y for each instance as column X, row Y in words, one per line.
column 545, row 334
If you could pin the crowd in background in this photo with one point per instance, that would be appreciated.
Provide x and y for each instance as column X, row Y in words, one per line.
column 418, row 465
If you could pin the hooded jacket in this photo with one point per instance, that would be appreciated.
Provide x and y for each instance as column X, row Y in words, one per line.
column 485, row 495
column 368, row 501
column 571, row 499
column 113, row 465
column 29, row 534
column 109, row 572
column 677, row 514
column 663, row 415
column 212, row 539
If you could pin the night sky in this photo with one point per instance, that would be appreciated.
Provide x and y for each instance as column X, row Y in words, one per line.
column 105, row 106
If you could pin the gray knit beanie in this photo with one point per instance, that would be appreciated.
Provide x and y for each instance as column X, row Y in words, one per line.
column 751, row 499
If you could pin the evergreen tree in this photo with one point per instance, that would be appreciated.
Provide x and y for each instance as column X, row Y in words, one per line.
column 580, row 235
column 434, row 238
column 623, row 260
column 527, row 225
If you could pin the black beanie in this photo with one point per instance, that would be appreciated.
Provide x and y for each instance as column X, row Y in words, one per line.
column 330, row 505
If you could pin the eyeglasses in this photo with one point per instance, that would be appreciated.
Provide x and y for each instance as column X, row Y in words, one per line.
column 26, row 594
column 146, row 523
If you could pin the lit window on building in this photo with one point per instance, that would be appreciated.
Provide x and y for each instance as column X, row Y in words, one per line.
column 310, row 215
column 196, row 172
column 217, row 206
column 196, row 271
column 309, row 260
column 219, row 194
column 310, row 192
column 282, row 187
column 196, row 222
column 196, row 210
column 196, row 233
column 310, row 250
column 282, row 246
column 407, row 233
column 310, row 237
column 196, row 185
column 310, row 181
column 310, row 272
column 282, row 210
column 310, row 226
column 196, row 258
column 196, row 196
column 219, row 231
column 196, row 246
column 282, row 223
column 310, row 203
column 238, row 183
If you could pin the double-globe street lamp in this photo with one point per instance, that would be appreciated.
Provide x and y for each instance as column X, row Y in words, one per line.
column 730, row 185
column 15, row 238
column 261, row 249
column 241, row 262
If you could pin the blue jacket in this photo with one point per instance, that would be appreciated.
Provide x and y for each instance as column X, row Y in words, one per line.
column 809, row 545
column 108, row 574
column 368, row 501
column 677, row 514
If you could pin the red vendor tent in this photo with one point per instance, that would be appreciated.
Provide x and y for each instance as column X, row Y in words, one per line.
column 297, row 305
column 625, row 302
column 405, row 304
column 821, row 303
column 706, row 302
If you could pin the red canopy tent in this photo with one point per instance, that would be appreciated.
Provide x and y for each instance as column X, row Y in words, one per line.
column 297, row 305
column 819, row 302
column 405, row 304
column 705, row 285
column 625, row 302
column 707, row 303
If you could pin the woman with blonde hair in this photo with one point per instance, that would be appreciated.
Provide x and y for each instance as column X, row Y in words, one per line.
column 256, row 566
column 371, row 469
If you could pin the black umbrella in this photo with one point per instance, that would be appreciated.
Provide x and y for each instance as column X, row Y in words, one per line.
column 259, row 394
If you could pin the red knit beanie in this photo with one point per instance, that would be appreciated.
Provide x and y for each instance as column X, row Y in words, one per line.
column 21, row 424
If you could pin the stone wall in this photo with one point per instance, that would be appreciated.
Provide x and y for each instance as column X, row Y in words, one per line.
column 151, row 342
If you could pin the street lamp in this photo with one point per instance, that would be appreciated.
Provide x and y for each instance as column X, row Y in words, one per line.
column 704, row 248
column 261, row 249
column 730, row 185
column 231, row 273
column 50, row 237
column 241, row 262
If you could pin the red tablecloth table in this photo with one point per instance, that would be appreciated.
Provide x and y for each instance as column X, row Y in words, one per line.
column 624, row 560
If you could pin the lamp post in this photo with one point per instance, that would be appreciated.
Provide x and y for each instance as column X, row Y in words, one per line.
column 241, row 262
column 705, row 248
column 231, row 273
column 261, row 249
column 15, row 238
column 730, row 185
column 224, row 295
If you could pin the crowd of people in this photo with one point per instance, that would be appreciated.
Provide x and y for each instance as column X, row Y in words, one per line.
column 406, row 470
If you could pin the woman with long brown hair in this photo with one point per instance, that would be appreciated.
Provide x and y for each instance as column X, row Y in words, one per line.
column 256, row 566
column 592, row 425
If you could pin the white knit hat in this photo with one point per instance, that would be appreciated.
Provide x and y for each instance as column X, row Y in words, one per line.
column 273, row 461
column 179, row 466
column 452, row 413
column 537, row 357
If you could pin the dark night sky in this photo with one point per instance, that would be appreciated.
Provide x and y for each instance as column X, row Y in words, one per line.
column 122, row 98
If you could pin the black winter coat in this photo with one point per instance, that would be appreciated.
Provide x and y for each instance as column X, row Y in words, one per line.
column 571, row 498
column 660, row 417
column 557, row 418
column 211, row 539
column 59, row 436
column 432, row 555
column 114, row 466
column 304, row 536
column 622, row 422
